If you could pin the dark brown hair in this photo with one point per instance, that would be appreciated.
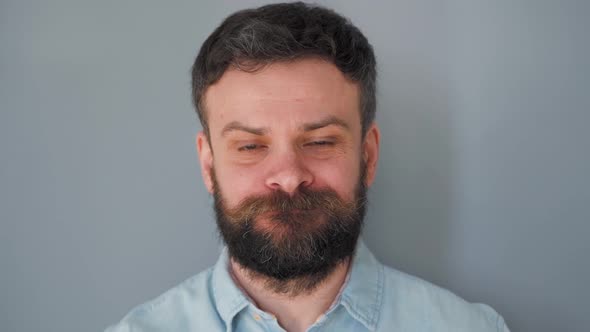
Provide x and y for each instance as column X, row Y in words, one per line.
column 249, row 39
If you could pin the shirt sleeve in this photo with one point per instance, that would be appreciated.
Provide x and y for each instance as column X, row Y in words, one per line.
column 502, row 327
column 121, row 327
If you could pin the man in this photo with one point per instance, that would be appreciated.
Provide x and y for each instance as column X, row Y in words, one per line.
column 286, row 97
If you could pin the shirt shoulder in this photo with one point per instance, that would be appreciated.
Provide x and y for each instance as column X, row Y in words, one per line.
column 188, row 306
column 413, row 304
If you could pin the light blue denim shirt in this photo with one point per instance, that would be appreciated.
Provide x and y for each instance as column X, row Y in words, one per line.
column 374, row 298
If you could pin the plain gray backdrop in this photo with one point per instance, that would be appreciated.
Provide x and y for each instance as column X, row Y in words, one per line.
column 483, row 184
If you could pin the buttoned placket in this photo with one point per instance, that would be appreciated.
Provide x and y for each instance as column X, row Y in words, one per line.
column 267, row 321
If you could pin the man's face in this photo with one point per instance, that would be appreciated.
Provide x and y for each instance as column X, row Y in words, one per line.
column 285, row 155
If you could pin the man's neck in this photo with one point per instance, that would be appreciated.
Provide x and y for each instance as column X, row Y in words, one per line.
column 293, row 312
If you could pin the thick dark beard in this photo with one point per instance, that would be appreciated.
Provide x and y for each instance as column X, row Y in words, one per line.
column 301, row 248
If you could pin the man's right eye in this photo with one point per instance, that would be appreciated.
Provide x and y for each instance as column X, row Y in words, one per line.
column 249, row 147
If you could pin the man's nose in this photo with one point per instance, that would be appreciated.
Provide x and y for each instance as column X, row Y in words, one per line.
column 289, row 173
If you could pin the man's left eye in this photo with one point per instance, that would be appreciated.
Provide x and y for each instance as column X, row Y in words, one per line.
column 320, row 143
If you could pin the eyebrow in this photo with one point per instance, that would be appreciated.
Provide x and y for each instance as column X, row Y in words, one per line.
column 235, row 125
column 329, row 121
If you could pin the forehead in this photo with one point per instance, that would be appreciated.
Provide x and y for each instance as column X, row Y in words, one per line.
column 295, row 91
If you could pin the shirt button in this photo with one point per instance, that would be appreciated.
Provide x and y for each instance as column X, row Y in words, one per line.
column 257, row 317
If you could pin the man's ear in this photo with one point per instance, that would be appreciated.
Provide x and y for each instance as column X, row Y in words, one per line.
column 371, row 152
column 205, row 159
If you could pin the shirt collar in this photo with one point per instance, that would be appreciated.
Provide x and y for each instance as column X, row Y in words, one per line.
column 229, row 299
column 362, row 294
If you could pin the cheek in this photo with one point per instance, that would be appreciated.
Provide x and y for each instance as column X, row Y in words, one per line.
column 342, row 177
column 237, row 183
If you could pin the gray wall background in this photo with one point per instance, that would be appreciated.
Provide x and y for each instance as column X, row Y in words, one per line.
column 483, row 185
